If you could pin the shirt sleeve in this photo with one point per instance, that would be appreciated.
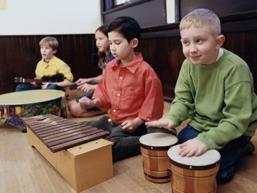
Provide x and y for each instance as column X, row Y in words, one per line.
column 66, row 71
column 152, row 107
column 100, row 93
column 37, row 71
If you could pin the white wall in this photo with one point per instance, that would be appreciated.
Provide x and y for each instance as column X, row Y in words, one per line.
column 42, row 17
column 170, row 11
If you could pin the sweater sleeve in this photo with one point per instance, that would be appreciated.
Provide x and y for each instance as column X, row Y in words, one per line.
column 237, row 111
column 183, row 104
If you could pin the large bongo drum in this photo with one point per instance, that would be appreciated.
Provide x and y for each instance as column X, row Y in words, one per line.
column 154, row 147
column 193, row 174
column 29, row 103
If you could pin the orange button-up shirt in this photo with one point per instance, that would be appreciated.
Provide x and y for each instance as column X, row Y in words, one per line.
column 130, row 91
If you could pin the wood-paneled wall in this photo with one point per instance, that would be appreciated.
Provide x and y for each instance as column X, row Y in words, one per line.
column 162, row 49
column 20, row 54
column 165, row 55
column 160, row 45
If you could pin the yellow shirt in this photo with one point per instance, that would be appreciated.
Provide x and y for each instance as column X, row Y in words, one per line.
column 53, row 67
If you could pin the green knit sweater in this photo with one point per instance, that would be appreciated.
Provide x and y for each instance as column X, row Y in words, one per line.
column 218, row 97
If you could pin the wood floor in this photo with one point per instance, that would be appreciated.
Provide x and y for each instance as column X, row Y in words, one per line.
column 24, row 170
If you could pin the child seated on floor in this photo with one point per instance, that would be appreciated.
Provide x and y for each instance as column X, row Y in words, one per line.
column 50, row 70
column 87, row 85
column 130, row 91
column 214, row 89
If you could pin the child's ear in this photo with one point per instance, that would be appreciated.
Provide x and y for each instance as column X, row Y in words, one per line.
column 134, row 42
column 220, row 41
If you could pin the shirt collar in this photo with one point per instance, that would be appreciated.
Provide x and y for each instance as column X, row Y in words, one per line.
column 221, row 51
column 132, row 66
column 47, row 63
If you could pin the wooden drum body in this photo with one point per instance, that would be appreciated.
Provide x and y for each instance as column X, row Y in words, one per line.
column 193, row 174
column 154, row 147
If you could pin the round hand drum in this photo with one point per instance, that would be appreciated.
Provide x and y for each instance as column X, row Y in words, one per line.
column 193, row 174
column 30, row 103
column 154, row 147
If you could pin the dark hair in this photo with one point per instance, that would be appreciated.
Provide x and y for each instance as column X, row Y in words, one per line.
column 103, row 29
column 102, row 56
column 127, row 26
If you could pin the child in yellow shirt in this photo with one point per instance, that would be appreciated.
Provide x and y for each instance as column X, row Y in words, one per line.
column 54, row 72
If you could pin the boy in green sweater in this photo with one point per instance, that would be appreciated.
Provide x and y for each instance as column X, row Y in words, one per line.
column 215, row 90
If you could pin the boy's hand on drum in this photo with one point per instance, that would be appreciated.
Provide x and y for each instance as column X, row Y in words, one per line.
column 192, row 147
column 131, row 125
column 161, row 123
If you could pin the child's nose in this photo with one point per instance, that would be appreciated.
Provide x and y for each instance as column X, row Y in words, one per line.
column 112, row 48
column 193, row 48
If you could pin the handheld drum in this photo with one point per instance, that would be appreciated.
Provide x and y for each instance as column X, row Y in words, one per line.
column 193, row 174
column 154, row 147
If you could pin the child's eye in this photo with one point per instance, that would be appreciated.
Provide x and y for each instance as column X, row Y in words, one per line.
column 185, row 43
column 199, row 41
column 117, row 42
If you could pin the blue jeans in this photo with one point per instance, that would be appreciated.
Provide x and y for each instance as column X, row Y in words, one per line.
column 231, row 153
column 28, row 86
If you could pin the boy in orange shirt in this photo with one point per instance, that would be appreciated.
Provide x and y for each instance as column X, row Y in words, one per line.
column 130, row 90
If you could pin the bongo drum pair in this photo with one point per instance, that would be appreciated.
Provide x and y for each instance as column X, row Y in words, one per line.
column 29, row 103
column 162, row 163
column 154, row 147
column 193, row 174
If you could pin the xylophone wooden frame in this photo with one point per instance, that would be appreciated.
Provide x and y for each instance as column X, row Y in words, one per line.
column 83, row 166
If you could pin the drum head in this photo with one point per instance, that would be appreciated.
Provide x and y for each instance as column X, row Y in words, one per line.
column 208, row 158
column 30, row 97
column 158, row 140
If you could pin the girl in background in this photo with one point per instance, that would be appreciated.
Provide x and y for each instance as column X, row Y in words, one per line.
column 87, row 85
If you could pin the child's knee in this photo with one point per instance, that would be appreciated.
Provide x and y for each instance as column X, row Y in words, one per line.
column 75, row 108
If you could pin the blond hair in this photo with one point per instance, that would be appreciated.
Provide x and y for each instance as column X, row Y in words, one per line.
column 49, row 41
column 201, row 18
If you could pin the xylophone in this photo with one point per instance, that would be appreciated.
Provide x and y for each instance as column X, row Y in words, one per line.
column 75, row 150
column 58, row 133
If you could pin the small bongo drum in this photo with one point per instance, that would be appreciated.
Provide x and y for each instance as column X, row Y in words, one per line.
column 193, row 174
column 29, row 103
column 154, row 147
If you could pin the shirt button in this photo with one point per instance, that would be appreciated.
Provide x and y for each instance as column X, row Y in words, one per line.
column 121, row 77
column 118, row 94
column 114, row 110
